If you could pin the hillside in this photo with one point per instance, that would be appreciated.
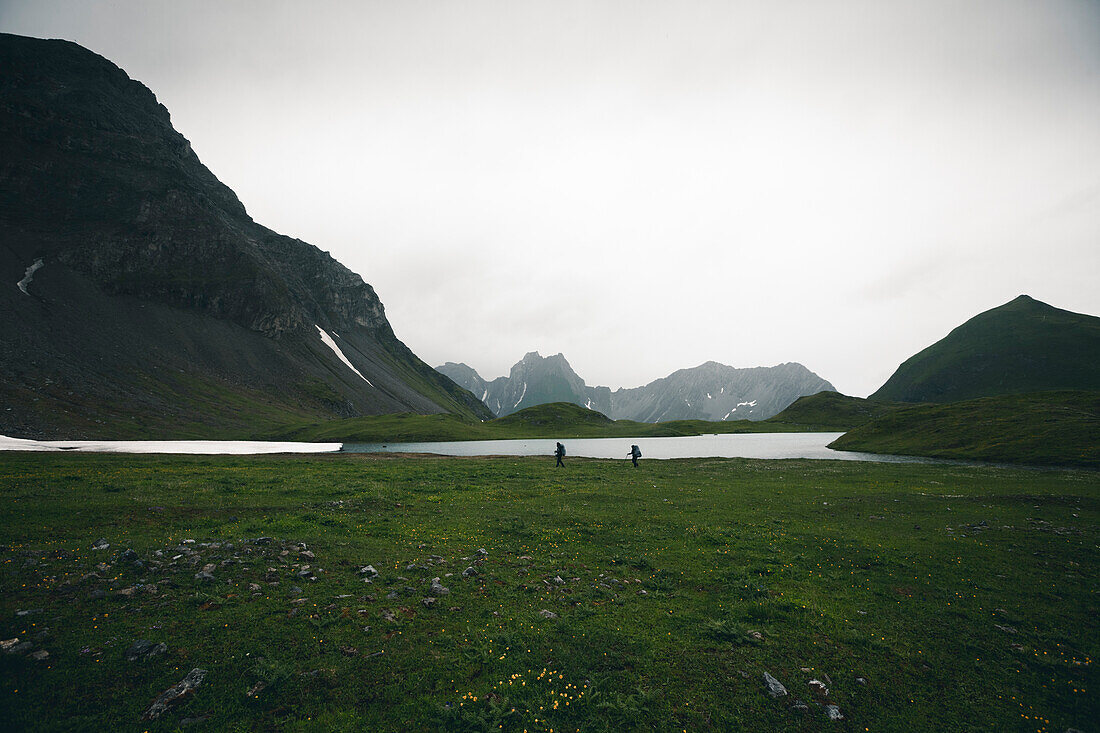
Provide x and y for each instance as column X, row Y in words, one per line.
column 140, row 299
column 828, row 411
column 1022, row 346
column 1039, row 428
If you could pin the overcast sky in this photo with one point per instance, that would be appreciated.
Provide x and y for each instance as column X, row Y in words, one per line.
column 645, row 186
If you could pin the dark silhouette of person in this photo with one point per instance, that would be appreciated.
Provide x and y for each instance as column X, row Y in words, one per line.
column 635, row 453
column 559, row 452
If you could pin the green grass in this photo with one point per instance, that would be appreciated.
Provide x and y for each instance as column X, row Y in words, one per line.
column 963, row 597
column 555, row 420
column 1043, row 428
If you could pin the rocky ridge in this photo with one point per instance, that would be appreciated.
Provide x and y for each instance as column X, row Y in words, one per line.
column 710, row 391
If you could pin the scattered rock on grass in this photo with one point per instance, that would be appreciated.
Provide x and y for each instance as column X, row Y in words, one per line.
column 144, row 649
column 437, row 589
column 174, row 694
column 818, row 688
column 368, row 572
column 775, row 687
column 469, row 572
column 546, row 613
column 833, row 712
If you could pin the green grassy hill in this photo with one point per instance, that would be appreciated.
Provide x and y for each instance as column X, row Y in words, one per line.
column 1041, row 428
column 829, row 411
column 1022, row 346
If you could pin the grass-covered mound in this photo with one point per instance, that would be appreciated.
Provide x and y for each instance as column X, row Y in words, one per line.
column 829, row 411
column 608, row 598
column 554, row 417
column 554, row 420
column 1045, row 428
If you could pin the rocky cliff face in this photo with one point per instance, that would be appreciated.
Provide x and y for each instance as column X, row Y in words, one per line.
column 711, row 391
column 151, row 266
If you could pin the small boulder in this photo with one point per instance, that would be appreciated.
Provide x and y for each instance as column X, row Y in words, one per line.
column 833, row 712
column 469, row 572
column 546, row 613
column 174, row 694
column 775, row 687
column 437, row 589
column 143, row 649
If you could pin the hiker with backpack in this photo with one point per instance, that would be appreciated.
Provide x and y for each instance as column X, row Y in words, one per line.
column 559, row 453
column 634, row 454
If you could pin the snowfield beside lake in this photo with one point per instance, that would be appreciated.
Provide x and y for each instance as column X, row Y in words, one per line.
column 193, row 447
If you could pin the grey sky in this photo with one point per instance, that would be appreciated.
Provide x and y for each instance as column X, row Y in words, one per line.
column 645, row 186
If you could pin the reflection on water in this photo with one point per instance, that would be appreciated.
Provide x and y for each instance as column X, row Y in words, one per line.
column 748, row 445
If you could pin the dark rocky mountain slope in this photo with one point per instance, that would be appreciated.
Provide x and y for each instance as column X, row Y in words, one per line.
column 1022, row 346
column 711, row 391
column 138, row 296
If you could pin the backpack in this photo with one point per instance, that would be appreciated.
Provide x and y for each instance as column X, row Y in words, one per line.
column 563, row 451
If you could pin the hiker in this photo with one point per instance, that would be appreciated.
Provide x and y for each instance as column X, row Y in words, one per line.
column 634, row 454
column 559, row 452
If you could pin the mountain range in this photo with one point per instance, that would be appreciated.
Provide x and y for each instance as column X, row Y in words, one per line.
column 140, row 298
column 710, row 391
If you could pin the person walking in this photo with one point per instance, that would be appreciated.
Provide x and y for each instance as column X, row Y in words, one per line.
column 634, row 454
column 559, row 453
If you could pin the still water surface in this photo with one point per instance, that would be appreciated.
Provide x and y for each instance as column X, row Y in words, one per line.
column 747, row 445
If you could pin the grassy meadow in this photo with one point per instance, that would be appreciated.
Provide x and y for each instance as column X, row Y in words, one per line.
column 922, row 597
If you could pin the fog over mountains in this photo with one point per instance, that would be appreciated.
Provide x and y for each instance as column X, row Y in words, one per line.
column 710, row 391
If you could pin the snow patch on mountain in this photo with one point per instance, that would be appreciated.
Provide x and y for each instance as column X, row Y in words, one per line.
column 336, row 350
column 29, row 275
